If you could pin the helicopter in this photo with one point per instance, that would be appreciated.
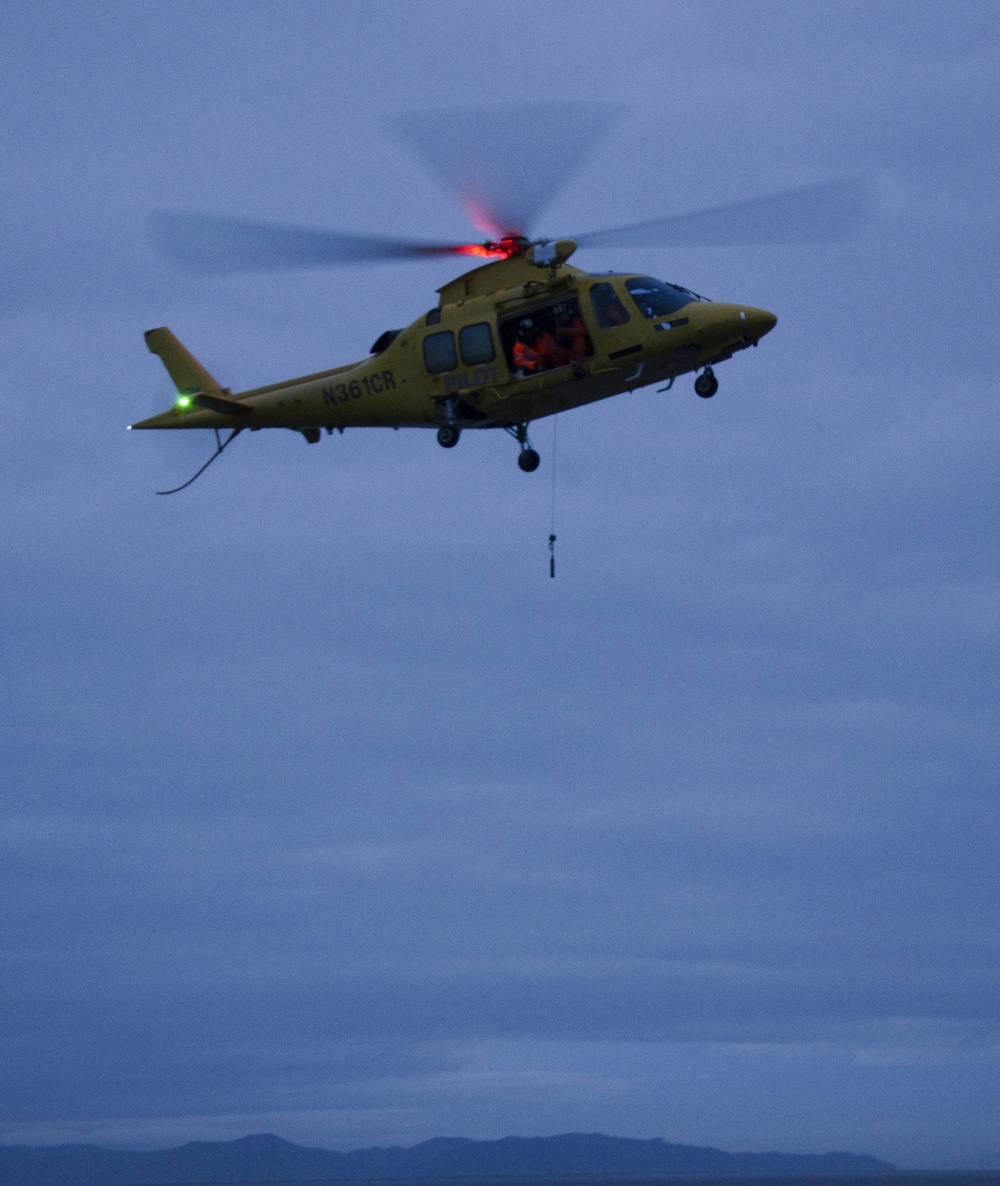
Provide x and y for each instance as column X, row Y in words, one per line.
column 520, row 337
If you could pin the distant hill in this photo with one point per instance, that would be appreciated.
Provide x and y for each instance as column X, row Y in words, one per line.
column 266, row 1158
column 979, row 1162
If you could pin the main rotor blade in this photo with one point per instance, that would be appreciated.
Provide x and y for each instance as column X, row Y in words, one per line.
column 814, row 214
column 505, row 162
column 204, row 244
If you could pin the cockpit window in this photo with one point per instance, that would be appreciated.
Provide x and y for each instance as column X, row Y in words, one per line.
column 607, row 305
column 654, row 298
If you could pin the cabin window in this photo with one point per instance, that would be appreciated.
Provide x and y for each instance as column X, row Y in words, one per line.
column 476, row 342
column 607, row 305
column 545, row 338
column 654, row 298
column 439, row 352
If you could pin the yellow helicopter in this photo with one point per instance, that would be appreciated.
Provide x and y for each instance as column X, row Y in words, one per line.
column 518, row 338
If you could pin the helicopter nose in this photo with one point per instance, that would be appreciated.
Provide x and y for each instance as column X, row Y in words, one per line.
column 758, row 322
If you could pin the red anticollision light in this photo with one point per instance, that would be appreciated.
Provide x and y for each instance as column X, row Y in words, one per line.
column 481, row 250
column 501, row 249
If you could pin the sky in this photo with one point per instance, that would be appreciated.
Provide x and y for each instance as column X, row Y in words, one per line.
column 325, row 811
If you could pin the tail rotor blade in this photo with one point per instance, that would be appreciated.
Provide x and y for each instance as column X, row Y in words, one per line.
column 506, row 162
column 824, row 213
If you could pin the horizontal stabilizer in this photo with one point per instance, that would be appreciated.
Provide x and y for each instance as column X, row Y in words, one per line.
column 220, row 404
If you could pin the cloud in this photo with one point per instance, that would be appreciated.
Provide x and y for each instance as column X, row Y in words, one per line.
column 323, row 802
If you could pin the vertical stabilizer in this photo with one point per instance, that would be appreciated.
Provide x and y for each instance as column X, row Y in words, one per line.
column 189, row 376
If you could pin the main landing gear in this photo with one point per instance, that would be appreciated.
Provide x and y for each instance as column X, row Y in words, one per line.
column 706, row 385
column 527, row 459
column 449, row 432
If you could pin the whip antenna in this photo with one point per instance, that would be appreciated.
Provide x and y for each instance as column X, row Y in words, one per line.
column 220, row 445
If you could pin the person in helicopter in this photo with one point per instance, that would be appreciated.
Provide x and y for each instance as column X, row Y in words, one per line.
column 532, row 349
column 572, row 342
column 610, row 311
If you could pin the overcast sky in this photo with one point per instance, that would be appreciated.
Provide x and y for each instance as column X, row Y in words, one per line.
column 325, row 811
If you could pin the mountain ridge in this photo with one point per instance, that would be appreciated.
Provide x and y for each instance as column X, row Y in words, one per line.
column 264, row 1157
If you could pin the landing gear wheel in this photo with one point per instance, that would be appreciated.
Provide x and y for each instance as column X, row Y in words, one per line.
column 448, row 436
column 706, row 385
column 528, row 460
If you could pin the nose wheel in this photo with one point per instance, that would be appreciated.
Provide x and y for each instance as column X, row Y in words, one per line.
column 706, row 385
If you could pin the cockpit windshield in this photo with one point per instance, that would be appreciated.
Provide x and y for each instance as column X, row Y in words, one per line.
column 655, row 298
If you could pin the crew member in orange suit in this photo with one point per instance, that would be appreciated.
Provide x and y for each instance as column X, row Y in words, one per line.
column 571, row 342
column 532, row 350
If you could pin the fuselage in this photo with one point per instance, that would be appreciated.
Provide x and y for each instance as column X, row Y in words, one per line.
column 508, row 343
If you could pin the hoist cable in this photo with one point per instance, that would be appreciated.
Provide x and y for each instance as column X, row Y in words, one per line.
column 552, row 521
